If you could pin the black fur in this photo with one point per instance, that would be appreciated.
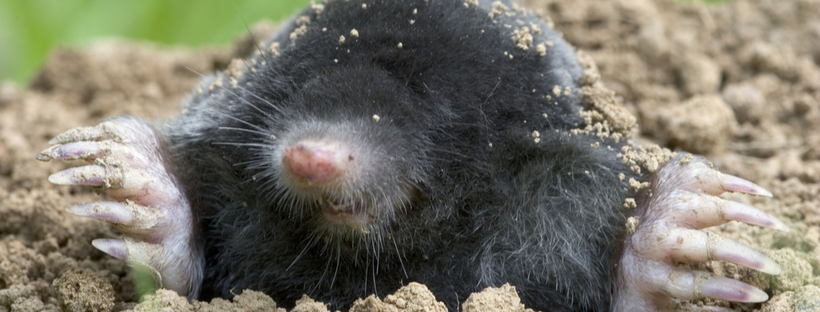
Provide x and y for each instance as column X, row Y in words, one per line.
column 542, row 216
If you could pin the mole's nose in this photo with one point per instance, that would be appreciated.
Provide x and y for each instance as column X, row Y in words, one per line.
column 314, row 162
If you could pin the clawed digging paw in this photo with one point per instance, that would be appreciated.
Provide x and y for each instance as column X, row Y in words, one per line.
column 148, row 205
column 681, row 200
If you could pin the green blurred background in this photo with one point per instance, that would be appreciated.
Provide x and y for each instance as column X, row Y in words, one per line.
column 29, row 29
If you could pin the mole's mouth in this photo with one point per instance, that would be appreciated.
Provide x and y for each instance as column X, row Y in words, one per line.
column 345, row 212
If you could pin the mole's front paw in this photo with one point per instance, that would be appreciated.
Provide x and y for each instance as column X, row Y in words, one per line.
column 680, row 201
column 150, row 208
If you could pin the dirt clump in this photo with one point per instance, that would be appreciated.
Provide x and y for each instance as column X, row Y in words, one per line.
column 81, row 291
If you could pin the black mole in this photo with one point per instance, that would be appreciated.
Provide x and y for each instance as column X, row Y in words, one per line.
column 374, row 143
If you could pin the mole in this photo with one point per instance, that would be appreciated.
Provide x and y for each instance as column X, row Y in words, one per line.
column 373, row 143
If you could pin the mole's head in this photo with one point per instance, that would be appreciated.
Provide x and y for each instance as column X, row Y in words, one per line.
column 349, row 154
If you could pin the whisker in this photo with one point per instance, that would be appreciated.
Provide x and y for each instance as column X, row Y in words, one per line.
column 246, row 102
column 259, row 98
column 481, row 107
column 338, row 259
column 242, row 144
column 309, row 243
column 195, row 72
column 242, row 163
column 366, row 271
column 428, row 88
column 446, row 151
column 375, row 270
column 321, row 278
column 491, row 93
column 266, row 135
column 242, row 88
column 240, row 120
column 256, row 43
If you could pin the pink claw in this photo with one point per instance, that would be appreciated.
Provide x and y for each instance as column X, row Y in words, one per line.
column 104, row 131
column 70, row 151
column 693, row 174
column 87, row 175
column 106, row 211
column 698, row 210
column 696, row 285
column 729, row 250
column 724, row 288
column 682, row 245
column 113, row 247
column 751, row 215
column 734, row 184
column 711, row 181
column 132, row 218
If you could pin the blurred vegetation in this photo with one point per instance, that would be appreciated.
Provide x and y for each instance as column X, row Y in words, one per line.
column 30, row 29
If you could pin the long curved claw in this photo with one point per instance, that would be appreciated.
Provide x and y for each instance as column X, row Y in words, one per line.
column 747, row 214
column 129, row 217
column 732, row 183
column 148, row 260
column 112, row 247
column 695, row 174
column 107, row 130
column 87, row 175
column 685, row 245
column 119, row 180
column 697, row 285
column 698, row 211
column 70, row 151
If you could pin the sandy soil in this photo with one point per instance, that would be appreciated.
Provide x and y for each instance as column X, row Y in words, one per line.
column 738, row 82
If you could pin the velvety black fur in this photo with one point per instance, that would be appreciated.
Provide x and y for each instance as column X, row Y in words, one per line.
column 488, row 205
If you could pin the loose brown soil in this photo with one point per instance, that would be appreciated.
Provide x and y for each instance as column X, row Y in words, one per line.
column 738, row 82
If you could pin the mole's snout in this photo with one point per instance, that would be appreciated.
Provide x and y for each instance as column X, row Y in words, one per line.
column 315, row 162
